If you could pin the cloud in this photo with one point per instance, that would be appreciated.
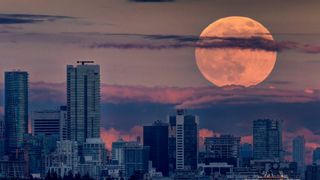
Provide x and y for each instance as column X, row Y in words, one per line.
column 111, row 135
column 186, row 97
column 28, row 18
column 162, row 42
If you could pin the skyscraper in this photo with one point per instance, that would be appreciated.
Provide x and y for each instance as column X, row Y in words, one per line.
column 156, row 137
column 298, row 152
column 224, row 148
column 267, row 139
column 183, row 141
column 83, row 101
column 16, row 109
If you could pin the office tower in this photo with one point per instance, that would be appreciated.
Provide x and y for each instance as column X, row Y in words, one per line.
column 267, row 139
column 16, row 109
column 298, row 152
column 156, row 137
column 183, row 141
column 46, row 122
column 83, row 101
column 63, row 123
column 224, row 148
column 136, row 158
column 245, row 154
column 316, row 156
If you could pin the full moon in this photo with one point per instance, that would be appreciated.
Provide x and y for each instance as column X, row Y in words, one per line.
column 235, row 66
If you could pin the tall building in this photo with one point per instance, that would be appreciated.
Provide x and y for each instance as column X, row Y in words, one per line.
column 224, row 148
column 156, row 137
column 2, row 138
column 298, row 152
column 16, row 109
column 83, row 101
column 267, row 139
column 183, row 141
column 316, row 156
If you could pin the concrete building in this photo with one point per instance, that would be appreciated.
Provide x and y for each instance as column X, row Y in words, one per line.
column 83, row 101
column 267, row 139
column 65, row 158
column 16, row 109
column 183, row 141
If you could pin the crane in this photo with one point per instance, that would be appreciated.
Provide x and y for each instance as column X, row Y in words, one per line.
column 84, row 62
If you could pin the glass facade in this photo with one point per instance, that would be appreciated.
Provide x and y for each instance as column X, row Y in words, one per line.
column 83, row 102
column 16, row 109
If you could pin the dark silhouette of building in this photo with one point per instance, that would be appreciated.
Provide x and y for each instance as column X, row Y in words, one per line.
column 267, row 139
column 312, row 172
column 156, row 137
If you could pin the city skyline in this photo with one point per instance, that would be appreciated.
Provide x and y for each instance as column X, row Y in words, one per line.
column 154, row 57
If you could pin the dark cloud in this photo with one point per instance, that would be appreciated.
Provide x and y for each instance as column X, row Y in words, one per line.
column 28, row 18
column 178, row 42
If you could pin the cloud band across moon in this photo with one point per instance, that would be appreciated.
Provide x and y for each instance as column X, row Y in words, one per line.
column 179, row 42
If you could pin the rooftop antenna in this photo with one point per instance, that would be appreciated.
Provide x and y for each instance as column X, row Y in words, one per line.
column 84, row 62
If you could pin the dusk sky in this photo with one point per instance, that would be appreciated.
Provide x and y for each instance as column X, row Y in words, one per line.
column 141, row 85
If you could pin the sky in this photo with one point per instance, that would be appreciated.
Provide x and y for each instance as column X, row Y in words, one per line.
column 141, row 85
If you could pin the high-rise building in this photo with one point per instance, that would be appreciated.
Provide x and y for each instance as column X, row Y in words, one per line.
column 316, row 156
column 298, row 152
column 156, row 137
column 224, row 148
column 117, row 151
column 16, row 109
column 267, row 139
column 83, row 101
column 183, row 141
column 94, row 151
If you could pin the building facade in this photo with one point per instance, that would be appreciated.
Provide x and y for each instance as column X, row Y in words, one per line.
column 224, row 148
column 156, row 137
column 16, row 109
column 183, row 141
column 298, row 152
column 83, row 101
column 267, row 139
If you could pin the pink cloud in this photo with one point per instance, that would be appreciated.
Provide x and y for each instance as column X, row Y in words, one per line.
column 188, row 97
column 111, row 135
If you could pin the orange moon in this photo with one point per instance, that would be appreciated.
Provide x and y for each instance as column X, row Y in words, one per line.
column 235, row 66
